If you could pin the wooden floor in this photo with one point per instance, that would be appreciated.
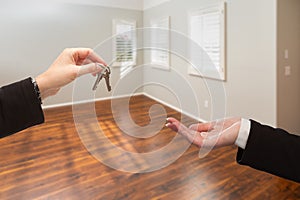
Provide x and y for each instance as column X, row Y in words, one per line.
column 49, row 161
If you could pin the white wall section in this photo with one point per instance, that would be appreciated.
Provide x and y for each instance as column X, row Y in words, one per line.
column 250, row 85
column 33, row 34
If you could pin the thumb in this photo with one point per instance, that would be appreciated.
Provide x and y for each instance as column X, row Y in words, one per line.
column 91, row 68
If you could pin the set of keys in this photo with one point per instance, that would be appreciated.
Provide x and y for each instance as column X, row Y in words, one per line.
column 103, row 74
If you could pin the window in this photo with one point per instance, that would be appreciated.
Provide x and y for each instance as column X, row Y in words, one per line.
column 160, row 41
column 207, row 30
column 124, row 45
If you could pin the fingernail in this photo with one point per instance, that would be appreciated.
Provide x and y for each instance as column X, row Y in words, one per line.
column 203, row 134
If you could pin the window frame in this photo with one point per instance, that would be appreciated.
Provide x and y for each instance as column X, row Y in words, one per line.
column 132, row 23
column 155, row 23
column 221, row 69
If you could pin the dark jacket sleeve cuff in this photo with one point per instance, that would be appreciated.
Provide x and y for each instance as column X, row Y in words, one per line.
column 20, row 107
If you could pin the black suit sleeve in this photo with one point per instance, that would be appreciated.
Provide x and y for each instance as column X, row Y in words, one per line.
column 19, row 107
column 272, row 150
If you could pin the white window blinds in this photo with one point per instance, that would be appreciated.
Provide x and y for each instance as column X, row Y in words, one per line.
column 207, row 29
column 124, row 44
column 160, row 40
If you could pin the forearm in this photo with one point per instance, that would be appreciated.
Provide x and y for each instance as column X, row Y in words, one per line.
column 19, row 107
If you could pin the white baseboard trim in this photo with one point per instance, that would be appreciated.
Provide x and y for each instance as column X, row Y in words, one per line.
column 124, row 96
column 90, row 101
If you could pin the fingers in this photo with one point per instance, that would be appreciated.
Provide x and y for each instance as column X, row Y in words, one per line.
column 172, row 120
column 78, row 54
column 86, row 56
column 207, row 135
column 200, row 127
column 96, row 58
column 90, row 68
column 173, row 124
column 177, row 126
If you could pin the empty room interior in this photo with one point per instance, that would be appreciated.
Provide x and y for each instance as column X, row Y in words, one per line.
column 193, row 99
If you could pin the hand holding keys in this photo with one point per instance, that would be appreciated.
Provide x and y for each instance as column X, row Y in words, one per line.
column 103, row 74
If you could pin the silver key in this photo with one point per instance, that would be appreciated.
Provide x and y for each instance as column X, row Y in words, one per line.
column 103, row 74
column 106, row 76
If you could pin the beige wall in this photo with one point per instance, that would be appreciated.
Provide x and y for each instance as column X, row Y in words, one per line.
column 288, row 87
column 250, row 84
column 32, row 36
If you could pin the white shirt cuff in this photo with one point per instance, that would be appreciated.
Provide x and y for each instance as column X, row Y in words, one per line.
column 243, row 135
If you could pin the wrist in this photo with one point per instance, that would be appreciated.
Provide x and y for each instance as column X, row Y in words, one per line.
column 41, row 83
column 44, row 87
